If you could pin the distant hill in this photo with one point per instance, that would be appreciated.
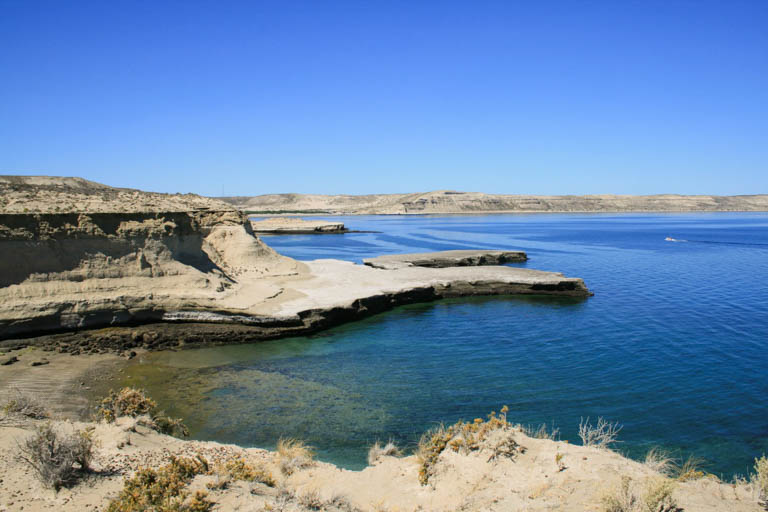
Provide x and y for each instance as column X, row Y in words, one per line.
column 446, row 201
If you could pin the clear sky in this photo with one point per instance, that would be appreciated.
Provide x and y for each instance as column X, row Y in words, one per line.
column 255, row 97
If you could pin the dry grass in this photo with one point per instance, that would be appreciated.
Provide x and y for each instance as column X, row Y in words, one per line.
column 601, row 436
column 58, row 460
column 377, row 451
column 660, row 461
column 541, row 431
column 691, row 470
column 293, row 455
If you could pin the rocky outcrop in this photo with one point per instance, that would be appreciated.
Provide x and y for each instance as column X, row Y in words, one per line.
column 444, row 259
column 446, row 201
column 201, row 272
column 293, row 226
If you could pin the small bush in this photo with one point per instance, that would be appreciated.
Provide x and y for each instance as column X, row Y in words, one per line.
column 170, row 426
column 293, row 455
column 601, row 435
column 311, row 500
column 164, row 489
column 377, row 451
column 463, row 437
column 620, row 498
column 57, row 460
column 658, row 496
column 760, row 481
column 134, row 403
column 236, row 468
column 126, row 402
column 25, row 405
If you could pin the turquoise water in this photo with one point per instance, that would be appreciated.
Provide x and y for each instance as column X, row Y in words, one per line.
column 673, row 345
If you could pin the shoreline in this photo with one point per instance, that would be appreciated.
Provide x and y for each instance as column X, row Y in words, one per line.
column 488, row 212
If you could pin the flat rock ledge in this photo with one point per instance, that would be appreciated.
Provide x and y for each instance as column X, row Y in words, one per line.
column 445, row 259
column 289, row 226
column 325, row 294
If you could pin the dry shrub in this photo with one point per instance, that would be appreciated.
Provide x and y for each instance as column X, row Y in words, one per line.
column 601, row 435
column 126, row 402
column 164, row 489
column 293, row 455
column 654, row 496
column 236, row 468
column 760, row 481
column 658, row 495
column 464, row 437
column 25, row 405
column 58, row 460
column 377, row 451
column 311, row 500
column 135, row 403
column 620, row 498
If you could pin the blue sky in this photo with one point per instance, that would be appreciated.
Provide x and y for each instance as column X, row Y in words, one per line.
column 245, row 98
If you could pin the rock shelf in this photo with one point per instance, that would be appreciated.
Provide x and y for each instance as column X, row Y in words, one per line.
column 66, row 276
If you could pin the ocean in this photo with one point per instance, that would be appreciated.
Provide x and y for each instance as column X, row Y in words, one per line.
column 673, row 345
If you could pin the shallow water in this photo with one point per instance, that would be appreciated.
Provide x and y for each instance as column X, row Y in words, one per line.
column 672, row 345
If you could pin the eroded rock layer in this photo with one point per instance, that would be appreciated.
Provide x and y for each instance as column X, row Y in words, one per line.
column 199, row 271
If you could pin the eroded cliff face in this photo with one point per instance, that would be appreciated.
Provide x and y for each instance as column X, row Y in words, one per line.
column 119, row 263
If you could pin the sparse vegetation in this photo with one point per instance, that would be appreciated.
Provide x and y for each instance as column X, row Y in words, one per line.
column 620, row 498
column 135, row 403
column 164, row 489
column 464, row 437
column 236, row 468
column 58, row 460
column 311, row 500
column 377, row 451
column 25, row 405
column 691, row 470
column 658, row 495
column 659, row 461
column 126, row 402
column 602, row 435
column 760, row 481
column 293, row 455
column 625, row 497
column 541, row 431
